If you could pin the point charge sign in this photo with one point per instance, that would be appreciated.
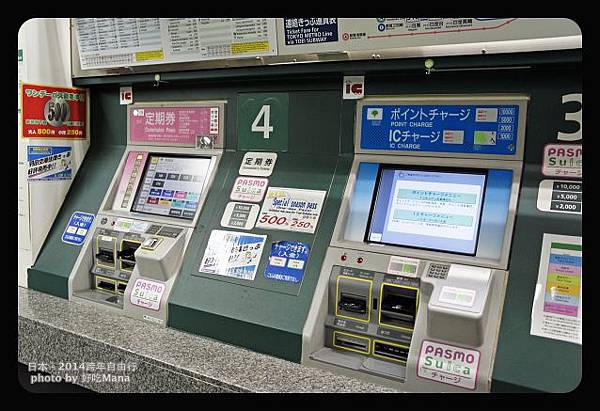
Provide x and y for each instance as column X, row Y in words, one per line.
column 481, row 129
column 53, row 112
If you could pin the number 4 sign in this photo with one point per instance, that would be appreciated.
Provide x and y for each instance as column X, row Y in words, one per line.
column 263, row 121
column 265, row 114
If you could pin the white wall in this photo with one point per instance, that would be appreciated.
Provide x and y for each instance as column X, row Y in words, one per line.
column 46, row 46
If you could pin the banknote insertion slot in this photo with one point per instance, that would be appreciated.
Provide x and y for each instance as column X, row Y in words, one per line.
column 105, row 251
column 398, row 306
column 105, row 284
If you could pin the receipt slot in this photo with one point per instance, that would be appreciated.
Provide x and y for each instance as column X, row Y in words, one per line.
column 412, row 287
column 139, row 236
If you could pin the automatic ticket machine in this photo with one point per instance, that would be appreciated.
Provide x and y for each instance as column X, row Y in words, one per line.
column 412, row 286
column 136, row 243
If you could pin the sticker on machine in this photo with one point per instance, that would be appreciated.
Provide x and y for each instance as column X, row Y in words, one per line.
column 287, row 261
column 403, row 266
column 291, row 209
column 563, row 160
column 147, row 294
column 123, row 224
column 448, row 364
column 78, row 228
column 233, row 254
column 258, row 164
column 251, row 189
column 240, row 215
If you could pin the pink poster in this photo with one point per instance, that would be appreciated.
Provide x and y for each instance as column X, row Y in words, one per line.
column 173, row 125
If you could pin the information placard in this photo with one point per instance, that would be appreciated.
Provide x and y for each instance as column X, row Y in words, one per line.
column 299, row 35
column 122, row 42
column 78, row 228
column 179, row 125
column 53, row 112
column 258, row 164
column 287, row 261
column 291, row 209
column 556, row 311
column 558, row 196
column 48, row 163
column 233, row 254
column 240, row 215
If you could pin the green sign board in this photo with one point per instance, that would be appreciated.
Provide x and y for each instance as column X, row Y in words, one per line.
column 263, row 121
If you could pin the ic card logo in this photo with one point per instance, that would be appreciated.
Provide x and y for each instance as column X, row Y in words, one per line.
column 375, row 113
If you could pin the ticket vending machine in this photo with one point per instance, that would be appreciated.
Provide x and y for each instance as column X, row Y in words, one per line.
column 412, row 286
column 137, row 241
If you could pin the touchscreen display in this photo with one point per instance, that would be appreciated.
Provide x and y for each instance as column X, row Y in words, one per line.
column 435, row 209
column 171, row 186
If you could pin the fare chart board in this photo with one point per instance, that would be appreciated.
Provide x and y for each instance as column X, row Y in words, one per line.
column 120, row 42
column 124, row 42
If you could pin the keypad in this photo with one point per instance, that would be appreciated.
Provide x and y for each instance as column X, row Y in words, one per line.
column 439, row 271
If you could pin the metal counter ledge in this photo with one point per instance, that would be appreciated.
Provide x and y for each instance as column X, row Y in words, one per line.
column 56, row 332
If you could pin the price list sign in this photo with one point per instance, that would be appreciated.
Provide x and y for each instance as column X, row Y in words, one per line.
column 560, row 196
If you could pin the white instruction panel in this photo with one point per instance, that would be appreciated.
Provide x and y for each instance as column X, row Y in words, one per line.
column 291, row 209
column 233, row 254
column 122, row 42
column 556, row 311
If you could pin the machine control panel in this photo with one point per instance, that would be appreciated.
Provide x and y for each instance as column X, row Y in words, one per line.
column 371, row 317
column 115, row 249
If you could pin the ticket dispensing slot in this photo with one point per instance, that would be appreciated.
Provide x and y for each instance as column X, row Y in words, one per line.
column 352, row 303
column 126, row 255
column 398, row 306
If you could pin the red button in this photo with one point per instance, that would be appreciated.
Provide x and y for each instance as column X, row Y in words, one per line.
column 359, row 260
column 344, row 257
